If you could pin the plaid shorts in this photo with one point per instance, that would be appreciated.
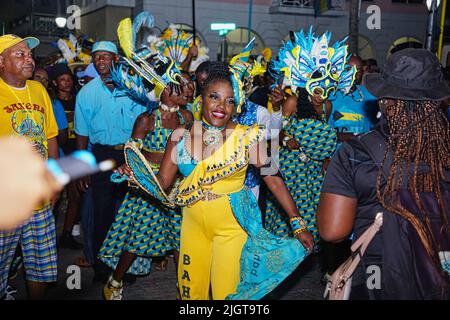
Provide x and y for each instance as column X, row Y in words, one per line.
column 38, row 240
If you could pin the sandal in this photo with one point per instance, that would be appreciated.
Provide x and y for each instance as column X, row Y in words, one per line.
column 162, row 265
column 82, row 262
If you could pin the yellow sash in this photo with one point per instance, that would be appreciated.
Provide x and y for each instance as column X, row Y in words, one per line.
column 224, row 171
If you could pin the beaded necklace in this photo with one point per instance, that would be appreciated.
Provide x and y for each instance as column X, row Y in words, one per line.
column 212, row 134
column 170, row 109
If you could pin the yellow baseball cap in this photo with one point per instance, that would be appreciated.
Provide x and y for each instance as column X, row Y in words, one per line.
column 9, row 40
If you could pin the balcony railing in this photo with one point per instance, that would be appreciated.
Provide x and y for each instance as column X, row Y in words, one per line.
column 297, row 5
column 294, row 3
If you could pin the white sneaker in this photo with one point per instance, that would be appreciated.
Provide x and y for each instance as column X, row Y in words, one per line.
column 113, row 289
column 76, row 230
column 10, row 290
column 9, row 297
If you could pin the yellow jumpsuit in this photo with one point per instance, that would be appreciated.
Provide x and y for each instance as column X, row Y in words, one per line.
column 211, row 238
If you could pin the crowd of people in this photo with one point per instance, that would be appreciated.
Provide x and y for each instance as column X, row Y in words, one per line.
column 239, row 170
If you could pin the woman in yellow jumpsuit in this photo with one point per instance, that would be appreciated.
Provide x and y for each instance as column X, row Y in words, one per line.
column 223, row 244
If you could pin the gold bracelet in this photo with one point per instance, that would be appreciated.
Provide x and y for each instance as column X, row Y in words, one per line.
column 298, row 231
column 300, row 221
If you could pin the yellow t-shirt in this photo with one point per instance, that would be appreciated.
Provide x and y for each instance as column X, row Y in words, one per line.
column 28, row 112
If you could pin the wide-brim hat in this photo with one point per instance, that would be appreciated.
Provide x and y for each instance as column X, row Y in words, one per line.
column 409, row 74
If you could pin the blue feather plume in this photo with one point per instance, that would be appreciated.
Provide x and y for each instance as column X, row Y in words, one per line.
column 143, row 19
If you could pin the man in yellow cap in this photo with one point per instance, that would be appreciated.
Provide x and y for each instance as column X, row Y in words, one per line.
column 26, row 110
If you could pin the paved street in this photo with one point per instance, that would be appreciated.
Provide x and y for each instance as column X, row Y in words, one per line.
column 303, row 284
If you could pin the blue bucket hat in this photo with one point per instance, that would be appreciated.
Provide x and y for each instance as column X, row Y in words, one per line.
column 107, row 46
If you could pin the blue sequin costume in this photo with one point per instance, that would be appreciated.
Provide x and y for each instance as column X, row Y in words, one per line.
column 143, row 225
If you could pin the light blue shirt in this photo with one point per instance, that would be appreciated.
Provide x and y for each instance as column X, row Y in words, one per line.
column 105, row 117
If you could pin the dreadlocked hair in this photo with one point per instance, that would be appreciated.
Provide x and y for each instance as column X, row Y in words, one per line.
column 419, row 134
column 305, row 109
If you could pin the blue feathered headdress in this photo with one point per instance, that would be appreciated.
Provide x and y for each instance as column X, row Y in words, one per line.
column 143, row 74
column 309, row 62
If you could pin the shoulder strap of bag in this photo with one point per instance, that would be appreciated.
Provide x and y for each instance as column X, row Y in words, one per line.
column 360, row 245
column 341, row 277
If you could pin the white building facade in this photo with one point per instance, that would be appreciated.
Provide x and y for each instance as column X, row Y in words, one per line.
column 270, row 22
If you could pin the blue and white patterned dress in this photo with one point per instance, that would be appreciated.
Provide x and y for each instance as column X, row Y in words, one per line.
column 302, row 171
column 143, row 225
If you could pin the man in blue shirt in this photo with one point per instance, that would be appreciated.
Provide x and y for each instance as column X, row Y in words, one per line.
column 104, row 116
column 355, row 112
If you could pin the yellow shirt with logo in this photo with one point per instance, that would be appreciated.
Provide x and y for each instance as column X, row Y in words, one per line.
column 28, row 112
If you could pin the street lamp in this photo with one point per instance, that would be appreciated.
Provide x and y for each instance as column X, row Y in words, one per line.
column 61, row 22
column 432, row 6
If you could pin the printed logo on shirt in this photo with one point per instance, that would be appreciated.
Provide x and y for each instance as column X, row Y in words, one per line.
column 22, row 106
column 30, row 125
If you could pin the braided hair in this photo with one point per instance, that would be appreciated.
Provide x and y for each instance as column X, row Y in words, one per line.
column 419, row 134
column 218, row 71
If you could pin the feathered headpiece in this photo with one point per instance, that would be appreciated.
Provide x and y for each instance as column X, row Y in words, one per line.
column 175, row 44
column 309, row 62
column 142, row 73
column 243, row 72
column 130, row 32
column 75, row 50
column 201, row 57
column 264, row 57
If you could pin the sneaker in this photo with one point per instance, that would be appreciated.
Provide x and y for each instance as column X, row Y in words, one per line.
column 161, row 263
column 8, row 297
column 113, row 289
column 76, row 230
column 10, row 289
column 67, row 241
